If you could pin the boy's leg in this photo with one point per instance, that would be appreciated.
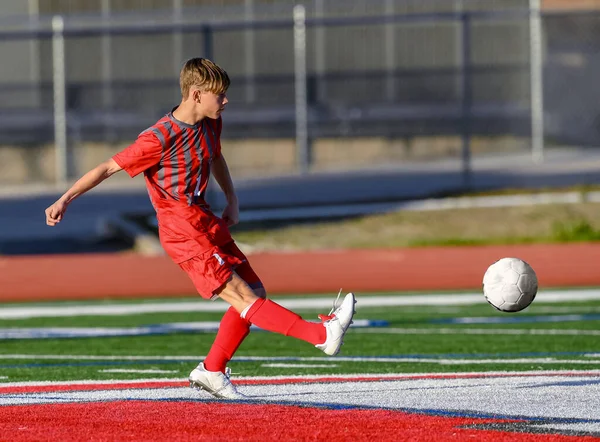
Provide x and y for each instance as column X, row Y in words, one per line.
column 212, row 374
column 233, row 329
column 269, row 315
column 251, row 309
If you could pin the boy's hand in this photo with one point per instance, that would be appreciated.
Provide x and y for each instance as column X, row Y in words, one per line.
column 231, row 214
column 55, row 213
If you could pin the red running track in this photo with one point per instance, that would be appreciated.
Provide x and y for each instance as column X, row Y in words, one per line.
column 60, row 277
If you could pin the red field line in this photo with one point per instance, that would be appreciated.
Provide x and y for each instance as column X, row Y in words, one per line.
column 167, row 383
column 431, row 268
column 17, row 389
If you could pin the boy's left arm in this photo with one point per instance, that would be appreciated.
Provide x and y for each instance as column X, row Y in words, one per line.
column 219, row 169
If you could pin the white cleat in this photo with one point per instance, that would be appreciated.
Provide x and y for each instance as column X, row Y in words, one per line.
column 214, row 382
column 336, row 324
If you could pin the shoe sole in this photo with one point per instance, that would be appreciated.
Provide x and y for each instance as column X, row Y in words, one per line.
column 346, row 329
column 352, row 317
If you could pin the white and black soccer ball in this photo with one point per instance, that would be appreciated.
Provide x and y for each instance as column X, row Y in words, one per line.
column 510, row 284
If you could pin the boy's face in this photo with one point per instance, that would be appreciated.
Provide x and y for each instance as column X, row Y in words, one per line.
column 211, row 104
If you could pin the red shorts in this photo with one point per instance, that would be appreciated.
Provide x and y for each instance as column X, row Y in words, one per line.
column 211, row 269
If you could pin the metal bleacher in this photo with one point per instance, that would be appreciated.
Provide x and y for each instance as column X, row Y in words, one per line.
column 326, row 118
column 35, row 126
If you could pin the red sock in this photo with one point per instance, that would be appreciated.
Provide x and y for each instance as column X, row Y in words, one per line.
column 268, row 315
column 232, row 331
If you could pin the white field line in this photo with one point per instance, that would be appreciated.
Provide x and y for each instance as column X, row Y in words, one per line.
column 509, row 319
column 123, row 370
column 476, row 331
column 200, row 357
column 317, row 376
column 290, row 303
column 290, row 359
column 299, row 365
column 78, row 332
column 58, row 332
column 501, row 361
column 495, row 373
column 106, row 358
column 530, row 398
column 90, row 382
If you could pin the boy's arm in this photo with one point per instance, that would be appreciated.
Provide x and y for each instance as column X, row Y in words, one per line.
column 220, row 171
column 145, row 152
column 56, row 211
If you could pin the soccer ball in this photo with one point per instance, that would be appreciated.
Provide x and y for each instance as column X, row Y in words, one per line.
column 510, row 285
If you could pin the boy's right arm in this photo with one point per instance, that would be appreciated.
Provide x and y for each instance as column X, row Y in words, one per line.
column 56, row 211
column 145, row 152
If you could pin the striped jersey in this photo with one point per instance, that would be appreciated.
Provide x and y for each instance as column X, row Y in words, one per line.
column 175, row 158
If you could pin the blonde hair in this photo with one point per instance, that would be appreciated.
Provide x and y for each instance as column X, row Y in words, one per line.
column 205, row 75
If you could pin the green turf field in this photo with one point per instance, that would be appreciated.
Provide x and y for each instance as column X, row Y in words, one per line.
column 546, row 336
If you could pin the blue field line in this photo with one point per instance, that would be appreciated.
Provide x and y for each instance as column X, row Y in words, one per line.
column 242, row 359
column 94, row 364
column 144, row 330
column 515, row 319
column 494, row 355
column 563, row 383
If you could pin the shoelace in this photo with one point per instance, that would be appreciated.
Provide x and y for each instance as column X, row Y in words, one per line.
column 228, row 373
column 330, row 316
column 227, row 385
column 336, row 304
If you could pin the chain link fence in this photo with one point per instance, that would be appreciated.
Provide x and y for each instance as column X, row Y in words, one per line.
column 385, row 81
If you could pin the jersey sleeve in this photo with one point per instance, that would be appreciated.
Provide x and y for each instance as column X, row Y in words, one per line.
column 144, row 153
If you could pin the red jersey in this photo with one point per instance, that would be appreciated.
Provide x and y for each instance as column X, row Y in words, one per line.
column 175, row 158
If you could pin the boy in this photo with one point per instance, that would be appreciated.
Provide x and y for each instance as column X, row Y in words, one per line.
column 176, row 155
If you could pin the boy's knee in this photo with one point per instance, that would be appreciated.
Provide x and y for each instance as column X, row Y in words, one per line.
column 238, row 293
